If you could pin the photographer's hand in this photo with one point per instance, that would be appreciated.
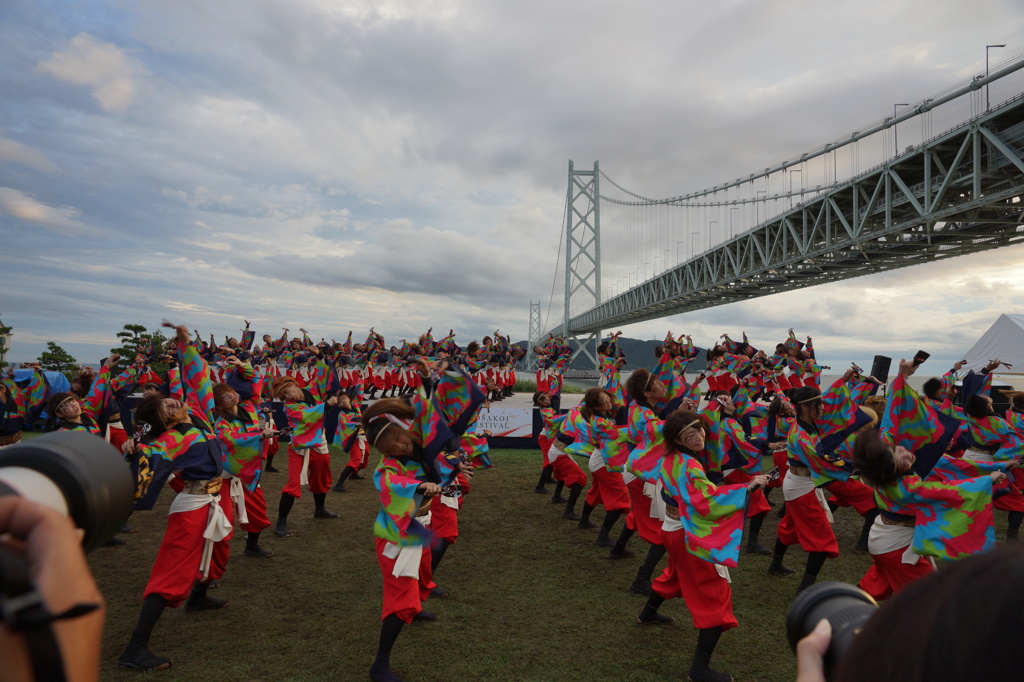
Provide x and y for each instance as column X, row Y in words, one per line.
column 53, row 551
column 810, row 653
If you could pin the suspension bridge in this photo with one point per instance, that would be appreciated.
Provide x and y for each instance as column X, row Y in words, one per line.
column 943, row 195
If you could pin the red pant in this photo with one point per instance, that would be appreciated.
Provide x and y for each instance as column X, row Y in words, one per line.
column 853, row 494
column 256, row 510
column 888, row 574
column 607, row 488
column 564, row 469
column 807, row 524
column 707, row 594
column 319, row 472
column 359, row 455
column 176, row 568
column 404, row 597
column 444, row 521
column 639, row 517
column 544, row 443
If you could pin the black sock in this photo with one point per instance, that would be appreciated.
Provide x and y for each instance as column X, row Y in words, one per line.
column 199, row 591
column 318, row 500
column 559, row 487
column 707, row 639
column 287, row 501
column 437, row 553
column 587, row 511
column 252, row 541
column 545, row 477
column 1013, row 520
column 654, row 554
column 755, row 528
column 654, row 602
column 389, row 629
column 345, row 473
column 152, row 607
column 815, row 560
column 624, row 536
column 574, row 494
column 609, row 520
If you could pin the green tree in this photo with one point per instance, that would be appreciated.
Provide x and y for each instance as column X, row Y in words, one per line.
column 136, row 339
column 56, row 359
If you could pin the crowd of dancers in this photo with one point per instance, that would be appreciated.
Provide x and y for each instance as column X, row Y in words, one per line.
column 680, row 457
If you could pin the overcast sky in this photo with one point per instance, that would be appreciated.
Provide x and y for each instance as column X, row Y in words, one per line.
column 336, row 164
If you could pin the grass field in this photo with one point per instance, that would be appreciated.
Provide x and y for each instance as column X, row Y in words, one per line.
column 532, row 598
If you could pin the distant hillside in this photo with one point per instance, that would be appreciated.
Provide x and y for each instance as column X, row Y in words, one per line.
column 638, row 354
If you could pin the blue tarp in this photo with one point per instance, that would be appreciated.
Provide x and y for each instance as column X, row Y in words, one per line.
column 58, row 382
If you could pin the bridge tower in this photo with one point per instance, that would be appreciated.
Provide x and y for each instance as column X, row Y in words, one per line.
column 583, row 254
column 533, row 338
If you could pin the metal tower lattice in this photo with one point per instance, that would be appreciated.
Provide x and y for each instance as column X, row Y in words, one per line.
column 534, row 336
column 583, row 254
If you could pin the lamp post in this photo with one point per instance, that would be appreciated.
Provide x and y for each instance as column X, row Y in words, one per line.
column 987, row 48
column 895, row 131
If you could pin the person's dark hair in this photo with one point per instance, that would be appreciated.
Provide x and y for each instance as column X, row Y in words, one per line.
column 805, row 396
column 932, row 387
column 536, row 397
column 961, row 623
column 592, row 399
column 874, row 459
column 472, row 348
column 715, row 352
column 775, row 408
column 602, row 349
column 877, row 404
column 150, row 411
column 278, row 383
column 780, row 348
column 977, row 406
column 394, row 406
column 84, row 381
column 639, row 382
column 219, row 391
column 678, row 422
column 153, row 387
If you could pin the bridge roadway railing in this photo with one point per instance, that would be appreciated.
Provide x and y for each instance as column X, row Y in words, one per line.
column 958, row 193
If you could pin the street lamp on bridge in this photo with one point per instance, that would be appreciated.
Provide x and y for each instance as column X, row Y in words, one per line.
column 987, row 48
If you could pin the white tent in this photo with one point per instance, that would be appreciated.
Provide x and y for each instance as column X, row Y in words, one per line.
column 1004, row 340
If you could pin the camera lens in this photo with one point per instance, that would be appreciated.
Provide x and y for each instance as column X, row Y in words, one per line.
column 88, row 473
column 844, row 606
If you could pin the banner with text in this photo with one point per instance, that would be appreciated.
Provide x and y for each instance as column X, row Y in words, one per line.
column 506, row 422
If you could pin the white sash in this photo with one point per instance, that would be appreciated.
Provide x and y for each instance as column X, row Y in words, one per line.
column 407, row 560
column 794, row 486
column 217, row 526
column 449, row 501
column 885, row 538
column 304, row 474
column 238, row 499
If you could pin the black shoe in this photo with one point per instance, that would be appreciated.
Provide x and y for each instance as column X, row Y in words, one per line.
column 625, row 554
column 758, row 548
column 272, row 470
column 438, row 592
column 143, row 660
column 861, row 547
column 127, row 529
column 541, row 491
column 205, row 604
column 383, row 675
column 324, row 514
column 258, row 551
column 558, row 500
column 340, row 488
column 654, row 618
column 779, row 570
column 604, row 542
column 281, row 530
column 584, row 524
column 641, row 588
column 357, row 477
column 569, row 516
column 214, row 584
column 709, row 675
column 425, row 616
column 115, row 542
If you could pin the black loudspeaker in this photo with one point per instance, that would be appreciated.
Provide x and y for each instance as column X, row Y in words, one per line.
column 880, row 368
